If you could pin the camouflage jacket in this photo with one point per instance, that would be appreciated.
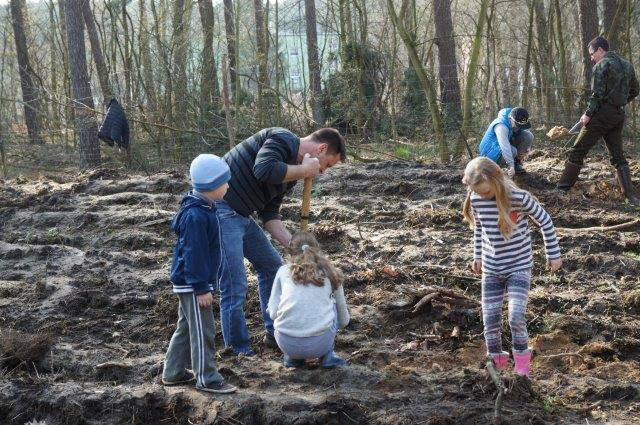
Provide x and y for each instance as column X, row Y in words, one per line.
column 613, row 81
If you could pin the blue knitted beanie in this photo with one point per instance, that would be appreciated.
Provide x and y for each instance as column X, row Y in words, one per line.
column 208, row 172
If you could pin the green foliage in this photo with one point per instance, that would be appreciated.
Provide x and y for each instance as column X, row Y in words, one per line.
column 352, row 94
column 403, row 152
column 413, row 117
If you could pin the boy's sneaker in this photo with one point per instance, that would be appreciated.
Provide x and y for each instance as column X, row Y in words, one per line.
column 186, row 378
column 218, row 388
column 247, row 352
column 270, row 341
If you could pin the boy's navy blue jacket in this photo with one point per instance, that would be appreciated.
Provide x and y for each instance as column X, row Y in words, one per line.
column 197, row 257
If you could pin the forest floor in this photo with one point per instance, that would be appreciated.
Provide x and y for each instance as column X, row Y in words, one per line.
column 86, row 310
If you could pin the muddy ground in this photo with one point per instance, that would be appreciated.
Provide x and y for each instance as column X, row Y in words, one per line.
column 84, row 262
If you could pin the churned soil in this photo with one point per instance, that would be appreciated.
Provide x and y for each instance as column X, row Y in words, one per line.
column 86, row 310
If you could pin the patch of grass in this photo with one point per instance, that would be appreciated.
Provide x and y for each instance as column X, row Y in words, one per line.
column 550, row 404
column 403, row 152
column 633, row 254
column 631, row 300
column 18, row 348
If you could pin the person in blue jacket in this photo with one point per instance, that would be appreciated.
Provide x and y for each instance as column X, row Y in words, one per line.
column 508, row 140
column 195, row 272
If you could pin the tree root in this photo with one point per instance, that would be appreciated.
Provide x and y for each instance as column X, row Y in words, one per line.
column 497, row 380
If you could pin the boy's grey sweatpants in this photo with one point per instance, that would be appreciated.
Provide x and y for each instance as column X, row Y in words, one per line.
column 192, row 340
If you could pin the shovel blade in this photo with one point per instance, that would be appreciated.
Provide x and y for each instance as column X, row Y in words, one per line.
column 576, row 128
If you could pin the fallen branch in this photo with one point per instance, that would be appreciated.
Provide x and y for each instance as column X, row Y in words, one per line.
column 495, row 377
column 451, row 294
column 552, row 356
column 424, row 302
column 106, row 365
column 599, row 228
column 443, row 295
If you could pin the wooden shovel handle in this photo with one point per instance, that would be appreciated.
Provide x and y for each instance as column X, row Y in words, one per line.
column 306, row 203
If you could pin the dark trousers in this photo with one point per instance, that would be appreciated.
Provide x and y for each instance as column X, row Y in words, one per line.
column 607, row 123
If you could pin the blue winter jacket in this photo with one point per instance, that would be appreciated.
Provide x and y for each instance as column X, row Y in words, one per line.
column 489, row 145
column 197, row 257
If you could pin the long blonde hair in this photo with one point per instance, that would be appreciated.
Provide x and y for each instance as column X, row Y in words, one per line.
column 309, row 265
column 482, row 169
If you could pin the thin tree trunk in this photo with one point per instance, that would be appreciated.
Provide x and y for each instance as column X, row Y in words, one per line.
column 562, row 56
column 127, row 59
column 426, row 84
column 180, row 44
column 27, row 81
column 231, row 130
column 588, row 17
column 448, row 65
column 210, row 92
column 544, row 52
column 278, row 67
column 230, row 31
column 261, row 43
column 96, row 51
column 314, row 62
column 69, row 112
column 472, row 73
column 490, row 64
column 86, row 128
column 54, row 63
column 610, row 8
column 527, row 63
column 147, row 67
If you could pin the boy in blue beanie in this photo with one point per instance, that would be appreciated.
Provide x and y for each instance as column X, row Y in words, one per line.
column 197, row 259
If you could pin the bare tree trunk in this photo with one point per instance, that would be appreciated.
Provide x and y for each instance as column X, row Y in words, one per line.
column 490, row 109
column 69, row 112
column 448, row 65
column 527, row 63
column 96, row 51
column 544, row 52
column 54, row 64
column 610, row 8
column 472, row 73
column 27, row 81
column 85, row 122
column 230, row 31
column 127, row 59
column 180, row 45
column 562, row 56
column 210, row 92
column 261, row 43
column 425, row 82
column 588, row 14
column 231, row 130
column 314, row 62
column 147, row 67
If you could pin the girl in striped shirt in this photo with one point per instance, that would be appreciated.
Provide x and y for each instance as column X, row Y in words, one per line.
column 497, row 211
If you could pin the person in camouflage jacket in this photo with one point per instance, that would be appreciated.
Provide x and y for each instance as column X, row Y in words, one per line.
column 613, row 85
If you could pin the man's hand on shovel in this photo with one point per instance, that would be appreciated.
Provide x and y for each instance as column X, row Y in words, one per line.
column 313, row 169
column 312, row 166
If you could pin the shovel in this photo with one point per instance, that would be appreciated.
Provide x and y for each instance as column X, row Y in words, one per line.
column 576, row 128
column 306, row 203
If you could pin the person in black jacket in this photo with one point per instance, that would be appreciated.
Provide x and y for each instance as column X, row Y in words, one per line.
column 264, row 168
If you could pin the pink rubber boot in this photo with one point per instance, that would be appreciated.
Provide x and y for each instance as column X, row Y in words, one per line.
column 522, row 360
column 501, row 360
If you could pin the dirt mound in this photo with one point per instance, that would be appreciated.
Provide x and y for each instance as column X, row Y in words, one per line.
column 85, row 262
